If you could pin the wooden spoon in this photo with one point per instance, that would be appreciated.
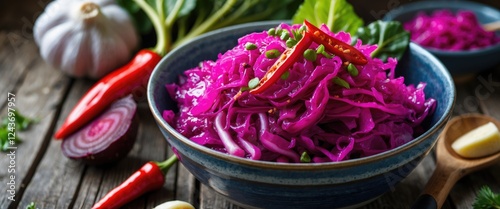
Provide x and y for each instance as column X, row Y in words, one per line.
column 450, row 166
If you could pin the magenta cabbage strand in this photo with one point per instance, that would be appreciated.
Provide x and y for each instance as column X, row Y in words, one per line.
column 305, row 112
column 448, row 31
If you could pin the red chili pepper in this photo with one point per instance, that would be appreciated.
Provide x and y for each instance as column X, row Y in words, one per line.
column 285, row 61
column 149, row 177
column 113, row 86
column 335, row 46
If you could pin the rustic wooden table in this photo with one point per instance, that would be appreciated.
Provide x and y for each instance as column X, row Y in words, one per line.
column 44, row 176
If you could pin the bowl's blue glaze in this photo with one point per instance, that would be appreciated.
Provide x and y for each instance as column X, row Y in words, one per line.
column 460, row 62
column 257, row 184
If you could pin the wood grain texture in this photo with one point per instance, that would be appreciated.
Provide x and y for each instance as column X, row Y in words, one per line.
column 39, row 90
column 49, row 179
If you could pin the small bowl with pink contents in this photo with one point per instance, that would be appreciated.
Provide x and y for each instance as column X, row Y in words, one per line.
column 453, row 32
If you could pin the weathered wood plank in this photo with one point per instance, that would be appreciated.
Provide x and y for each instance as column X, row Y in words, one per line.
column 57, row 178
column 14, row 61
column 187, row 188
column 480, row 94
column 209, row 199
column 38, row 94
column 407, row 191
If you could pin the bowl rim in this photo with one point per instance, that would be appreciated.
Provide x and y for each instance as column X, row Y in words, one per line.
column 294, row 166
column 434, row 5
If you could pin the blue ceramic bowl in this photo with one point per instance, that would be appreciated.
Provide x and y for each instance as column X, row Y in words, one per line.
column 258, row 184
column 460, row 62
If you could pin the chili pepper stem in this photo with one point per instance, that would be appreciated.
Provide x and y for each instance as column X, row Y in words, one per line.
column 165, row 165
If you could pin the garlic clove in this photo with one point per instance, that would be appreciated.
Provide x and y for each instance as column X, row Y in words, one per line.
column 174, row 204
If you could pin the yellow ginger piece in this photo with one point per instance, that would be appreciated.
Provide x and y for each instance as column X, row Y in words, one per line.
column 479, row 142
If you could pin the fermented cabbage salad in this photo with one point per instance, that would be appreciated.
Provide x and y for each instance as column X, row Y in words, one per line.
column 448, row 31
column 322, row 109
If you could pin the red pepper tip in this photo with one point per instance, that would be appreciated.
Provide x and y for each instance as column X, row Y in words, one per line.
column 60, row 134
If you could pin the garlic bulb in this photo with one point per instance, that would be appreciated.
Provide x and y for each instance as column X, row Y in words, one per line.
column 174, row 204
column 85, row 38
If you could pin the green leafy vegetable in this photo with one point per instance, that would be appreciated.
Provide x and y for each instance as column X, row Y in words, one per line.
column 181, row 8
column 338, row 15
column 9, row 128
column 178, row 21
column 391, row 38
column 142, row 23
column 486, row 199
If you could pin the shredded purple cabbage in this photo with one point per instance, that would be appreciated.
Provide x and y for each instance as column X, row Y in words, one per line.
column 306, row 112
column 452, row 32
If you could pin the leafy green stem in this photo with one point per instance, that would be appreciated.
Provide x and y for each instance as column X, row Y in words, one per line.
column 331, row 17
column 202, row 16
column 383, row 43
column 160, row 9
column 238, row 13
column 161, row 34
column 173, row 14
column 182, row 28
column 206, row 25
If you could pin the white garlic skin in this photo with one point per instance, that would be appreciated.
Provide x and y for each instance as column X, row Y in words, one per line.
column 84, row 41
column 175, row 204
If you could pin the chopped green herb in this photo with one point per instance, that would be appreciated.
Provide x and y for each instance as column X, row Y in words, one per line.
column 297, row 34
column 272, row 53
column 327, row 55
column 321, row 50
column 8, row 139
column 305, row 158
column 310, row 55
column 285, row 75
column 301, row 30
column 21, row 122
column 486, row 199
column 31, row 206
column 278, row 31
column 252, row 83
column 271, row 32
column 290, row 43
column 352, row 69
column 285, row 35
column 9, row 128
column 250, row 46
column 341, row 82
